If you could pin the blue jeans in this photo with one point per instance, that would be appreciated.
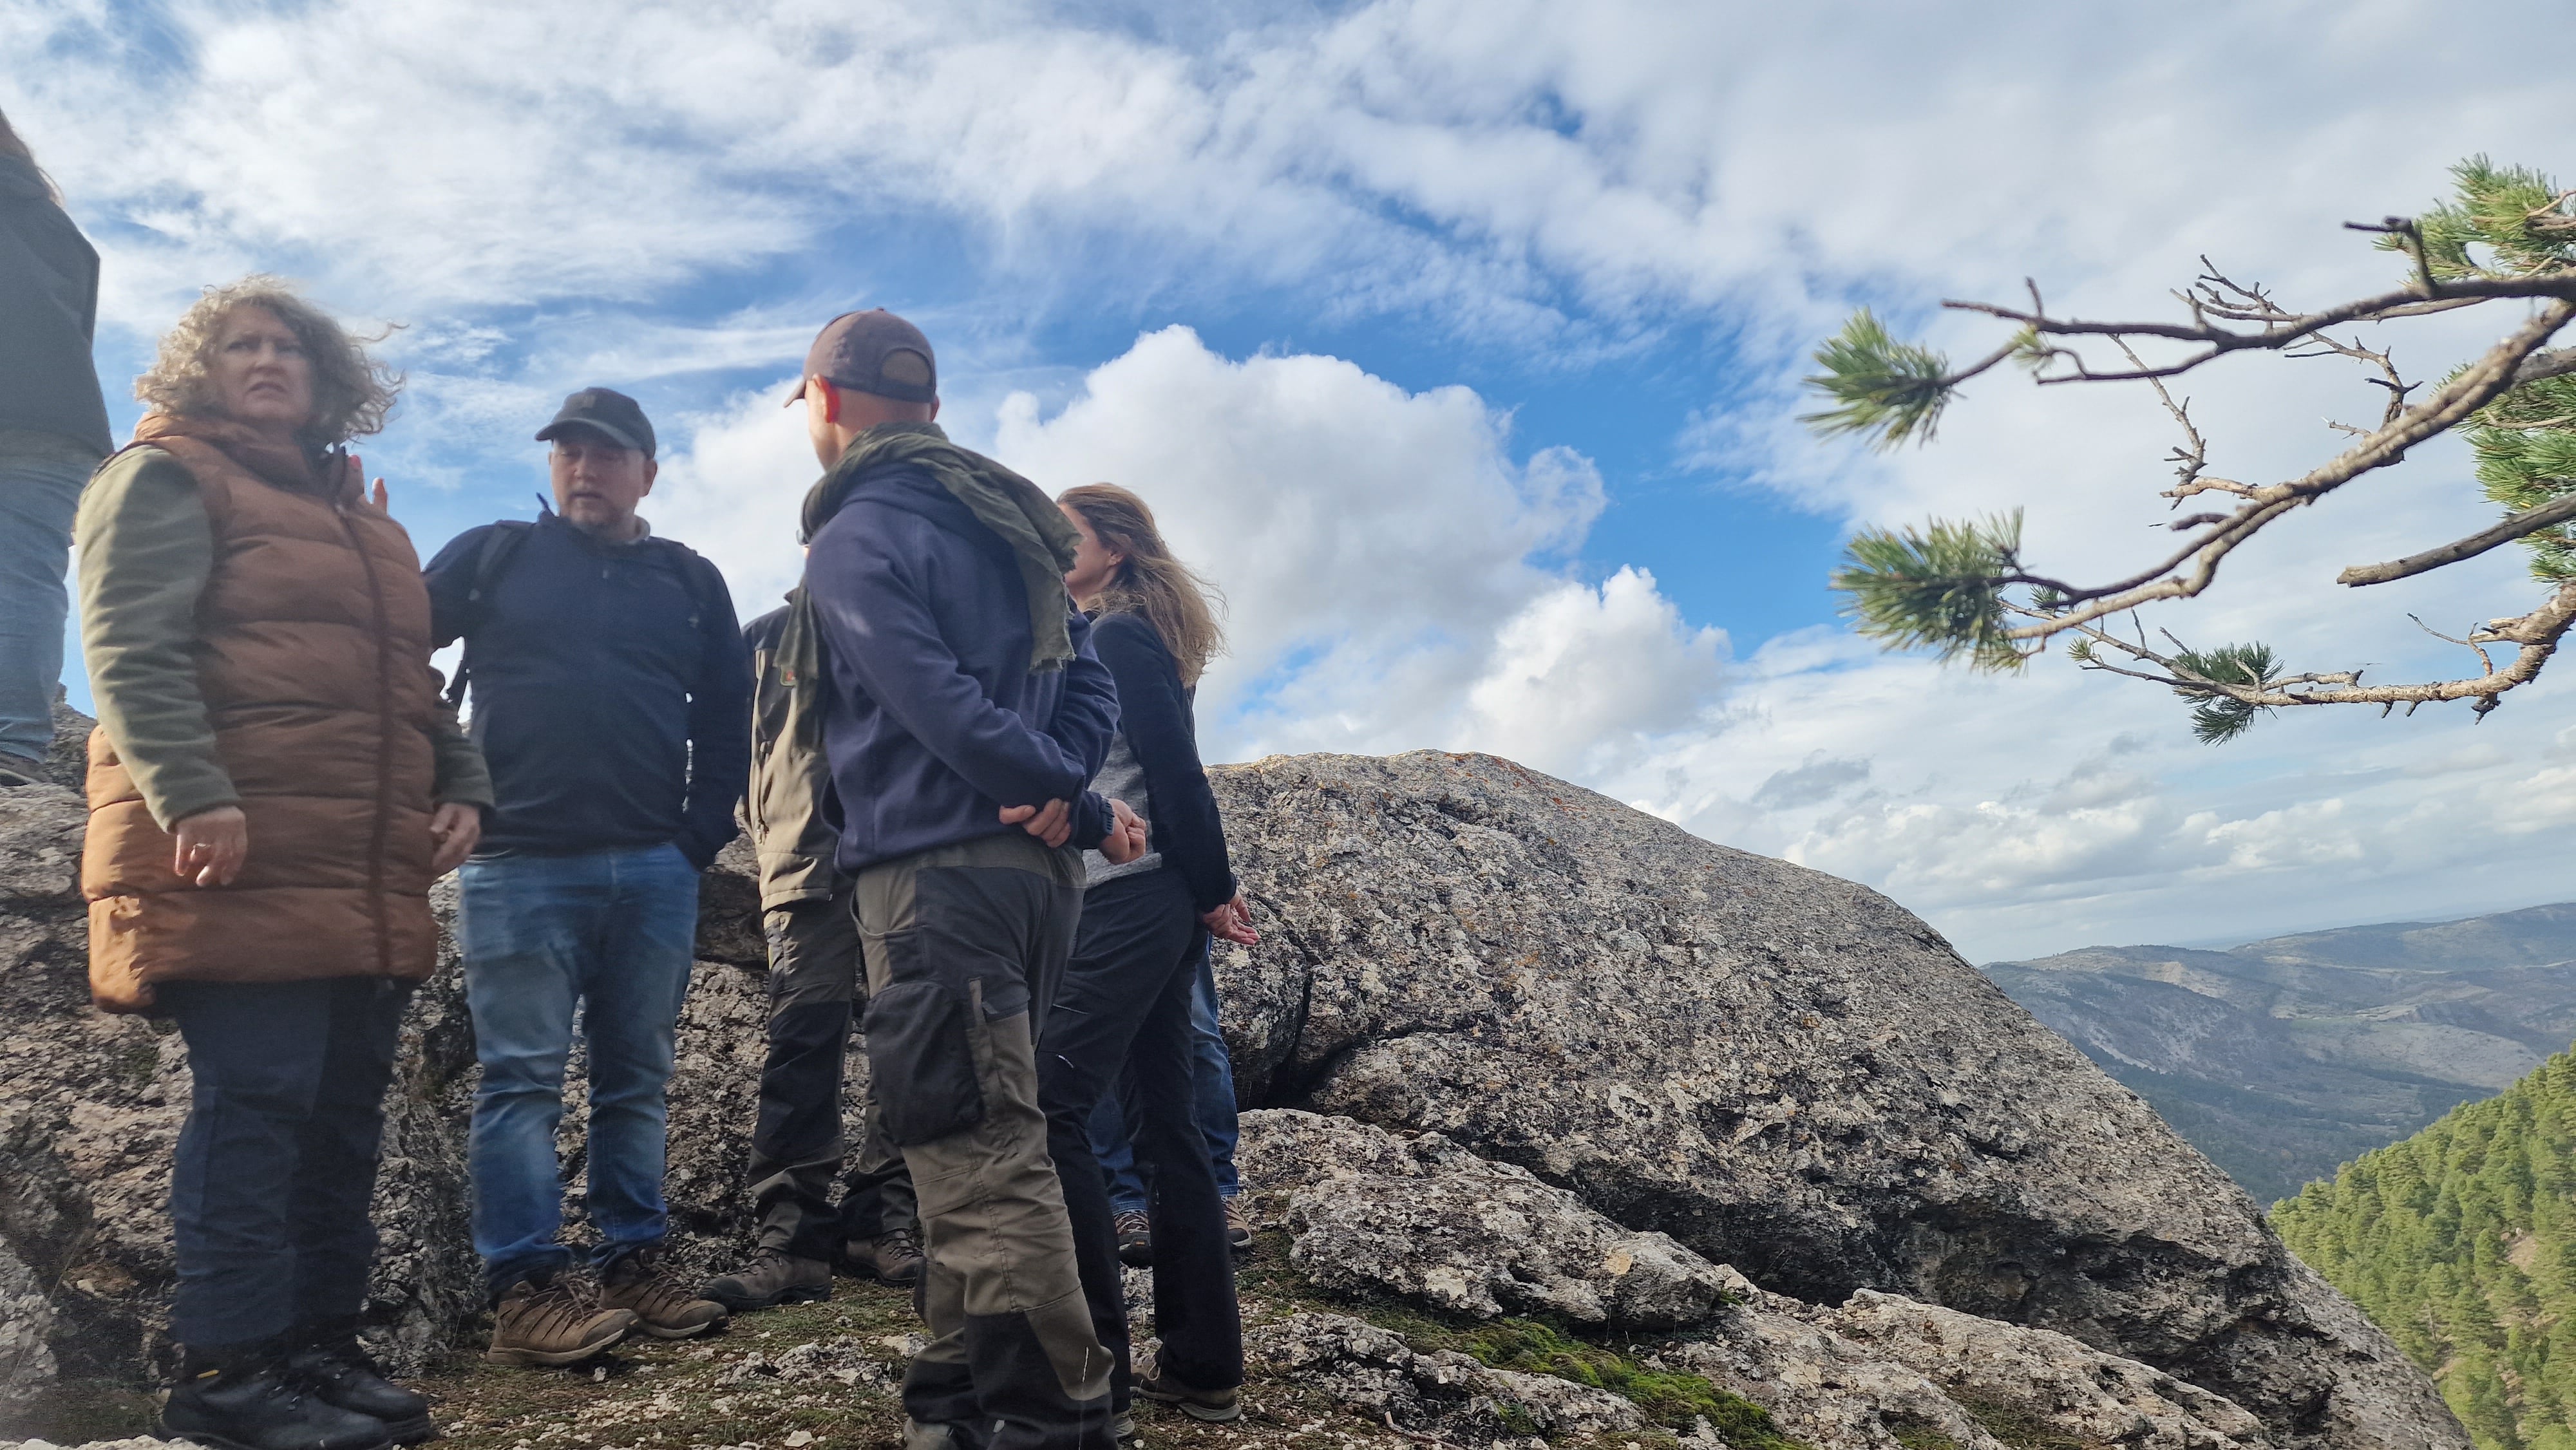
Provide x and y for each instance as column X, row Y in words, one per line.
column 40, row 490
column 1211, row 1083
column 613, row 931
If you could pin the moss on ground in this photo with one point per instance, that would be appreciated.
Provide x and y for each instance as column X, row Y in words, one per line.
column 1671, row 1400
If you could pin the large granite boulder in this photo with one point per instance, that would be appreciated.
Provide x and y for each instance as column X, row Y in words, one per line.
column 1781, row 1070
column 1636, row 1044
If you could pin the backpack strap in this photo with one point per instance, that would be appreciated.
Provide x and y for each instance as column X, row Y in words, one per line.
column 701, row 578
column 500, row 546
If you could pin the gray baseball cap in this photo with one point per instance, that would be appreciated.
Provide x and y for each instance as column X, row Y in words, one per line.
column 607, row 412
column 873, row 352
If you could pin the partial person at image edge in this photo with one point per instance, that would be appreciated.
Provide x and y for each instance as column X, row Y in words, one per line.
column 53, row 432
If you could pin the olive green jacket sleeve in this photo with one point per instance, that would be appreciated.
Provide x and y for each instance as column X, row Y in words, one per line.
column 462, row 776
column 146, row 552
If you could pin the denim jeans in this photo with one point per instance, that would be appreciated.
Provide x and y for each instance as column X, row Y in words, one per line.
column 1211, row 1084
column 40, row 489
column 612, row 931
column 277, row 1162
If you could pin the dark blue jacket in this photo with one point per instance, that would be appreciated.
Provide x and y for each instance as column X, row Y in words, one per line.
column 612, row 697
column 935, row 720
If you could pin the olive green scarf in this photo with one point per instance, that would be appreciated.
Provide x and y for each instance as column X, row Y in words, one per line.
column 1042, row 540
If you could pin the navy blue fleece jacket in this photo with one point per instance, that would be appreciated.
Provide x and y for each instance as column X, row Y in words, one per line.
column 612, row 699
column 935, row 720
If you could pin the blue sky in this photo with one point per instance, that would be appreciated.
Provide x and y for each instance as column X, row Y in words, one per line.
column 1458, row 342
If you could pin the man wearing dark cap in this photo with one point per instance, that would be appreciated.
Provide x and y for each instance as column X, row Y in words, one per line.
column 611, row 699
column 963, row 714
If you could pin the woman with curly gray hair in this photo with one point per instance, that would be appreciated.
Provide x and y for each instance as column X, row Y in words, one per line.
column 273, row 786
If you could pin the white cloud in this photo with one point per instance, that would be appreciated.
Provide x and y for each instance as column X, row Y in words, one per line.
column 1550, row 179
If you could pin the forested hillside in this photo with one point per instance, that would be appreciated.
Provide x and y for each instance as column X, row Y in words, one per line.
column 2461, row 1242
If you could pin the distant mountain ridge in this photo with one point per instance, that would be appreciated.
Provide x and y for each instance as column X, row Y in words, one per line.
column 2284, row 1058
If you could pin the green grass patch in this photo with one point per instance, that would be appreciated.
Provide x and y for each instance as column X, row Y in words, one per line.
column 2013, row 1425
column 76, row 1412
column 1527, row 1346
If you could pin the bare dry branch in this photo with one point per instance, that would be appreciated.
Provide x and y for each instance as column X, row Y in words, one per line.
column 2529, row 521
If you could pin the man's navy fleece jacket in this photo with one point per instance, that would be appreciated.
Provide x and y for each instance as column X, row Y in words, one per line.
column 612, row 701
column 935, row 721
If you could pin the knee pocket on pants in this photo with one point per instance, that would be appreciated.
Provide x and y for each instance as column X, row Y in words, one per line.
column 921, row 1062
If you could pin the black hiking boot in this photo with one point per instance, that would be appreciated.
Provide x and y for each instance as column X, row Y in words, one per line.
column 1135, row 1239
column 339, row 1373
column 247, row 1399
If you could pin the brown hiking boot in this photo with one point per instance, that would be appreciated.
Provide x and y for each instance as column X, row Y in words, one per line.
column 1218, row 1407
column 774, row 1276
column 892, row 1257
column 559, row 1321
column 665, row 1307
column 1238, row 1225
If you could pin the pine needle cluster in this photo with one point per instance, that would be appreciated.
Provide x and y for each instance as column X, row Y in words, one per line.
column 1939, row 588
column 2525, row 444
column 2503, row 221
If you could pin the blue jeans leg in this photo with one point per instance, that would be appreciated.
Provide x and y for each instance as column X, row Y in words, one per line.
column 1212, row 1077
column 631, row 1004
column 1117, row 1155
column 528, row 926
column 38, row 496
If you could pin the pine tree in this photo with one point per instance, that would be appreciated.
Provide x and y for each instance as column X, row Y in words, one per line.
column 1963, row 589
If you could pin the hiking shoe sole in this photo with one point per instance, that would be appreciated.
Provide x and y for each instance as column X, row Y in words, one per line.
column 556, row 1359
column 687, row 1331
column 1225, row 1414
column 214, row 1441
column 747, row 1303
column 418, row 1430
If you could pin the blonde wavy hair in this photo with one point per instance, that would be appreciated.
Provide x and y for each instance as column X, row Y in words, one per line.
column 1174, row 598
column 352, row 392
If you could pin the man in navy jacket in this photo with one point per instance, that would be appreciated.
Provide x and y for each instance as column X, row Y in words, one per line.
column 964, row 712
column 611, row 698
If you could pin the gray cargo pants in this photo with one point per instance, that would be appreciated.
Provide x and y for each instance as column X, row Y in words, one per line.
column 964, row 946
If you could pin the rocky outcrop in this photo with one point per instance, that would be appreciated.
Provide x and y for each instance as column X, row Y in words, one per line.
column 1375, row 1213
column 1781, row 1070
column 1441, row 1392
column 1644, row 1057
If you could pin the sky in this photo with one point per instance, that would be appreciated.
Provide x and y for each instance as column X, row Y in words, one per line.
column 1458, row 343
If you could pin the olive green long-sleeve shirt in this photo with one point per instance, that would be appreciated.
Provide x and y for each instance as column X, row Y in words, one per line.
column 147, row 549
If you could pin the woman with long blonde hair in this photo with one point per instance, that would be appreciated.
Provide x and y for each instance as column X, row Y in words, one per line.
column 1125, row 1006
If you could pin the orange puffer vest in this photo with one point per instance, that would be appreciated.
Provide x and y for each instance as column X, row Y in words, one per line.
column 313, row 657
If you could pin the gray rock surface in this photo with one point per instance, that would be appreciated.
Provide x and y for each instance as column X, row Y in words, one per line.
column 1441, row 1393
column 1782, row 1070
column 1422, row 1217
column 26, row 1329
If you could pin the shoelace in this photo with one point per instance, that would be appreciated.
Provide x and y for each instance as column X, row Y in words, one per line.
column 902, row 1241
column 1133, row 1222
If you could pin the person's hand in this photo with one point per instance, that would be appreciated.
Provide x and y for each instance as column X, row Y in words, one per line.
column 453, row 829
column 1232, row 922
column 212, row 844
column 1051, row 823
column 1126, row 839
